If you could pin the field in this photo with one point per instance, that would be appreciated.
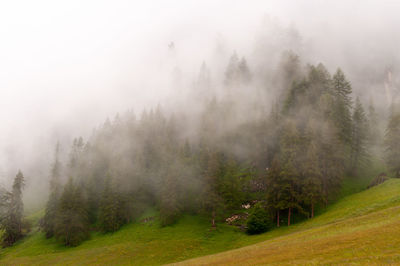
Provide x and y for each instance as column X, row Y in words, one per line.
column 362, row 228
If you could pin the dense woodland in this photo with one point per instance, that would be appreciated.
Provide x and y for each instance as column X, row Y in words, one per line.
column 285, row 157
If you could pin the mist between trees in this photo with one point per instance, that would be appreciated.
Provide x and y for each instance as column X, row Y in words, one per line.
column 282, row 136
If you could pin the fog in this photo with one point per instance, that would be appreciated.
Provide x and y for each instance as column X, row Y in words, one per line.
column 66, row 67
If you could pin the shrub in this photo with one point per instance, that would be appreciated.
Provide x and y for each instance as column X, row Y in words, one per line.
column 259, row 220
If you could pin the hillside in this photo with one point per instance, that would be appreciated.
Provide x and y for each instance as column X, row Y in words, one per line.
column 363, row 227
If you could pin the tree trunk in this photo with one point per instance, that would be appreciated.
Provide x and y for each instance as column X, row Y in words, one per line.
column 213, row 219
column 312, row 210
column 288, row 219
column 277, row 219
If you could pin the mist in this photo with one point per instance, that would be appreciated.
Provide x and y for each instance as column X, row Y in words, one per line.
column 66, row 67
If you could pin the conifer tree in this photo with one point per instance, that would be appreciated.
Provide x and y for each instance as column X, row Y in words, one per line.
column 312, row 177
column 11, row 220
column 49, row 219
column 373, row 121
column 244, row 71
column 392, row 141
column 72, row 225
column 274, row 186
column 203, row 83
column 211, row 199
column 170, row 206
column 290, row 171
column 359, row 152
column 231, row 74
column 331, row 157
column 109, row 208
column 289, row 69
column 342, row 108
column 232, row 185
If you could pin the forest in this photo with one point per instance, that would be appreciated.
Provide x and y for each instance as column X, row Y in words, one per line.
column 232, row 150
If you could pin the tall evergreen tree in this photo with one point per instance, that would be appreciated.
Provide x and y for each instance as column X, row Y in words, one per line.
column 331, row 157
column 170, row 206
column 49, row 219
column 274, row 187
column 244, row 71
column 109, row 208
column 72, row 225
column 359, row 151
column 290, row 171
column 231, row 74
column 342, row 106
column 373, row 121
column 11, row 220
column 211, row 200
column 312, row 177
column 392, row 141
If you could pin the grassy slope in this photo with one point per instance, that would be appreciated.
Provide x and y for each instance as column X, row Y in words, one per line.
column 364, row 224
column 363, row 228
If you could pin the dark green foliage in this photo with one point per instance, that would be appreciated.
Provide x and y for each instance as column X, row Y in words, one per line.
column 359, row 138
column 312, row 175
column 290, row 197
column 49, row 219
column 72, row 224
column 211, row 200
column 109, row 219
column 11, row 221
column 374, row 134
column 342, row 106
column 274, row 186
column 259, row 220
column 170, row 207
column 392, row 141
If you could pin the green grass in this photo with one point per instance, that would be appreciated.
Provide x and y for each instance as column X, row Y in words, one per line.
column 364, row 226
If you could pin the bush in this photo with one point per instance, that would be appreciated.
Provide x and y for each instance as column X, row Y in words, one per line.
column 259, row 220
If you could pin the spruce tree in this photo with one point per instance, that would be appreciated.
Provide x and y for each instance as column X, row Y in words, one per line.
column 49, row 219
column 11, row 220
column 72, row 225
column 244, row 72
column 211, row 199
column 290, row 169
column 231, row 74
column 359, row 148
column 342, row 106
column 170, row 205
column 274, row 186
column 109, row 208
column 373, row 121
column 331, row 157
column 312, row 177
column 392, row 141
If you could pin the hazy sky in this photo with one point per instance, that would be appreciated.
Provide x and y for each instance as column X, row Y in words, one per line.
column 67, row 65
